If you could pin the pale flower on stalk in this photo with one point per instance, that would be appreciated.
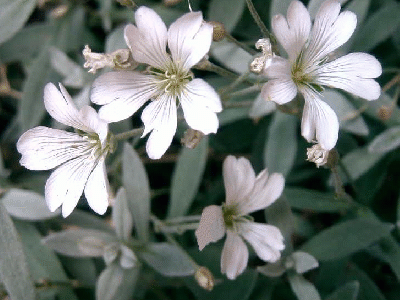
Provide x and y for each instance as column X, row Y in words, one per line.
column 309, row 67
column 79, row 157
column 167, row 79
column 245, row 193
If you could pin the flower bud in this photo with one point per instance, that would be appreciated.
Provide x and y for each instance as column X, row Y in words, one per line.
column 205, row 278
column 218, row 30
column 192, row 138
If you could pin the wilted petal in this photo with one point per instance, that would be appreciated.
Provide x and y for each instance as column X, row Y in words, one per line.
column 353, row 73
column 65, row 185
column 148, row 41
column 294, row 31
column 281, row 90
column 266, row 240
column 160, row 118
column 97, row 189
column 189, row 39
column 211, row 227
column 234, row 256
column 44, row 148
column 123, row 93
column 319, row 122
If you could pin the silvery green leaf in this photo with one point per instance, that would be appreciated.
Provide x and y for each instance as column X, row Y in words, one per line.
column 121, row 216
column 79, row 242
column 74, row 75
column 4, row 173
column 368, row 289
column 349, row 118
column 314, row 5
column 83, row 97
column 304, row 262
column 82, row 269
column 279, row 7
column 13, row 15
column 302, row 288
column 227, row 12
column 168, row 260
column 116, row 283
column 232, row 114
column 261, row 107
column 388, row 250
column 280, row 215
column 272, row 269
column 14, row 272
column 111, row 252
column 348, row 291
column 128, row 259
column 105, row 11
column 115, row 40
column 187, row 177
column 301, row 198
column 281, row 143
column 27, row 205
column 231, row 56
column 346, row 238
column 379, row 26
column 136, row 184
column 385, row 142
column 84, row 219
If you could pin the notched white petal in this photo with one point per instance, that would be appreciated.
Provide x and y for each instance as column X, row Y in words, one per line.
column 280, row 91
column 211, row 227
column 97, row 189
column 235, row 256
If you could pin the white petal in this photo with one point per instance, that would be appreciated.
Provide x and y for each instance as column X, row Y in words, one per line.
column 239, row 178
column 61, row 107
column 280, row 91
column 266, row 240
column 90, row 117
column 44, row 148
column 293, row 32
column 65, row 185
column 123, row 93
column 319, row 122
column 160, row 118
column 211, row 227
column 330, row 31
column 97, row 189
column 148, row 41
column 279, row 68
column 353, row 73
column 189, row 39
column 234, row 256
column 199, row 103
column 266, row 190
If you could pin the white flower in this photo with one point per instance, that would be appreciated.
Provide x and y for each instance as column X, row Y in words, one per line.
column 79, row 157
column 167, row 79
column 308, row 68
column 245, row 193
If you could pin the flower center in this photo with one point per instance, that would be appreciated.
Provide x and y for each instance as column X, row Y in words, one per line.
column 173, row 79
column 95, row 147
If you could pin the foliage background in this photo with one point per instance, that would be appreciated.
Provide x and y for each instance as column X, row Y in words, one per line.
column 354, row 236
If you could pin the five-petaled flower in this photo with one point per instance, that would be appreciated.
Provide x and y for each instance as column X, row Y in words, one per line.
column 308, row 66
column 79, row 156
column 167, row 78
column 245, row 193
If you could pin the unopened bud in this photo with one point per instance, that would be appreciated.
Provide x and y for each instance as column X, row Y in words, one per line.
column 205, row 278
column 385, row 112
column 171, row 2
column 127, row 3
column 219, row 31
column 59, row 11
column 192, row 138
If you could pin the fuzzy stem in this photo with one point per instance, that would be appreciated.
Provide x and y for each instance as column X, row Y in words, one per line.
column 128, row 134
column 240, row 44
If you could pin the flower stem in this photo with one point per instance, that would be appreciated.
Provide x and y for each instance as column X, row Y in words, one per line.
column 209, row 66
column 245, row 91
column 257, row 19
column 240, row 44
column 128, row 134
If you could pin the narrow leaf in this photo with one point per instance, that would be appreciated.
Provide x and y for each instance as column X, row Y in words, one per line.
column 304, row 262
column 136, row 184
column 187, row 177
column 386, row 141
column 121, row 216
column 231, row 56
column 302, row 288
column 345, row 238
column 349, row 291
column 13, row 266
column 227, row 12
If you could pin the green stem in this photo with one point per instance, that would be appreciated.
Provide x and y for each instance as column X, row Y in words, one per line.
column 240, row 44
column 184, row 219
column 245, row 91
column 128, row 134
column 208, row 66
column 257, row 19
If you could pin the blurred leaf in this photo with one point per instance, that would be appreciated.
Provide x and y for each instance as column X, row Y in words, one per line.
column 187, row 177
column 105, row 11
column 168, row 260
column 27, row 205
column 349, row 118
column 231, row 56
column 314, row 5
column 279, row 7
column 386, row 141
column 136, row 184
column 280, row 215
column 121, row 216
column 232, row 114
column 378, row 27
column 272, row 269
column 79, row 242
column 304, row 262
column 281, row 144
column 116, row 283
column 346, row 238
column 388, row 250
column 13, row 15
column 301, row 198
column 43, row 262
column 14, row 271
column 303, row 289
column 368, row 289
column 261, row 107
column 84, row 219
column 26, row 44
column 349, row 291
column 228, row 12
column 81, row 269
column 115, row 40
column 74, row 75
